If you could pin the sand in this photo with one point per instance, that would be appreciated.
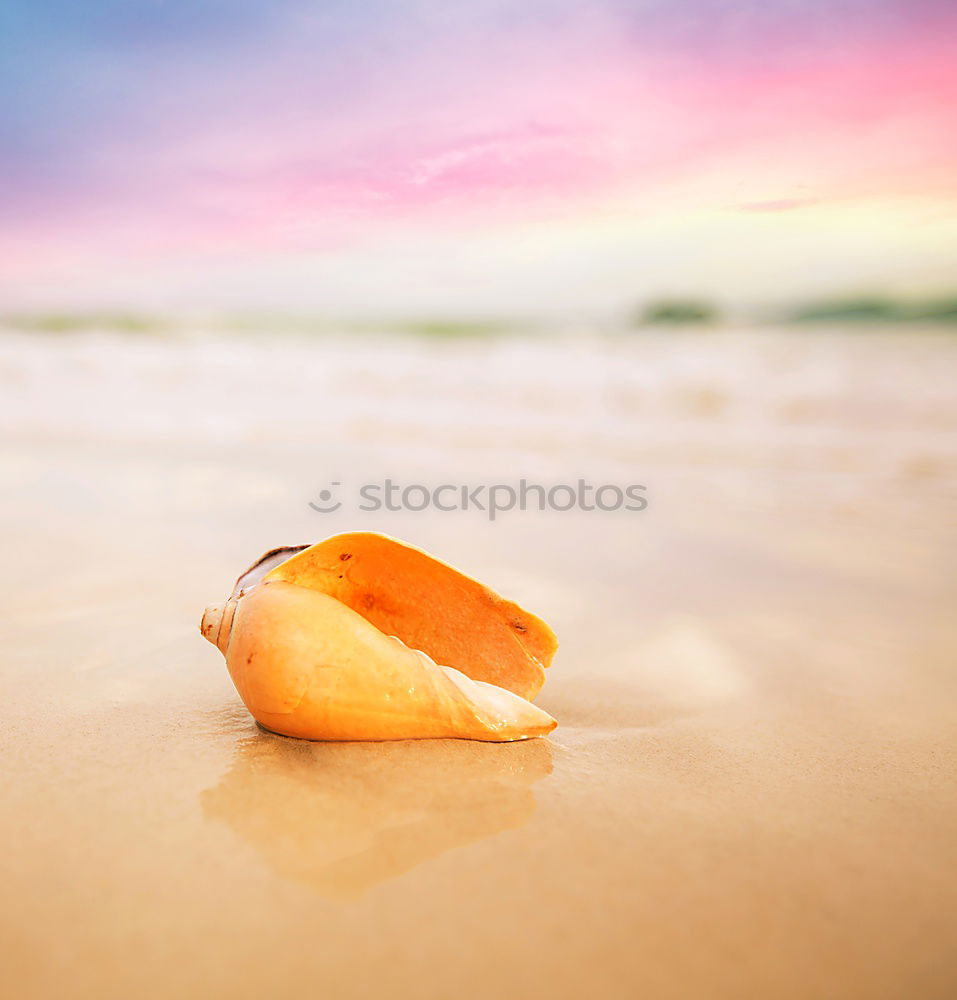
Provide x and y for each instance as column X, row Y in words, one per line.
column 751, row 792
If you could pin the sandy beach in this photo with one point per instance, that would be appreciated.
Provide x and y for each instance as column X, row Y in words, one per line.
column 751, row 791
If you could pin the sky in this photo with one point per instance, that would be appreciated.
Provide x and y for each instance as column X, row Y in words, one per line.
column 482, row 157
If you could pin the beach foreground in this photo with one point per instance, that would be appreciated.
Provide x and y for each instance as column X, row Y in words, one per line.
column 751, row 789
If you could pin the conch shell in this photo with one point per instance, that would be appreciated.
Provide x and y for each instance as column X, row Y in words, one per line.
column 339, row 641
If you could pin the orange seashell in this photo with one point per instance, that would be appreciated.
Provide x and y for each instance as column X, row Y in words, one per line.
column 339, row 641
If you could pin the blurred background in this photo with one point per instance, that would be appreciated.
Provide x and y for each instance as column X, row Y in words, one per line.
column 249, row 250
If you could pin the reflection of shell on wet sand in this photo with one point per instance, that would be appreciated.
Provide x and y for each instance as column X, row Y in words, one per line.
column 343, row 817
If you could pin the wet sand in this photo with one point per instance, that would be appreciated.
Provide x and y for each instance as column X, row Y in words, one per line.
column 751, row 792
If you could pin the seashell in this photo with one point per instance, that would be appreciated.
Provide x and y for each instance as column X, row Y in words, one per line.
column 362, row 637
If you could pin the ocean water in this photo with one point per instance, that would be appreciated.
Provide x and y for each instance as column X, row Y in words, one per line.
column 742, row 396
